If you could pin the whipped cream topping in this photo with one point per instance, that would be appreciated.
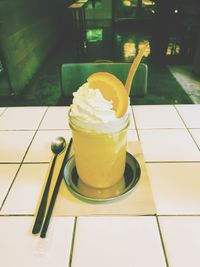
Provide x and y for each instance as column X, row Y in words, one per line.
column 90, row 106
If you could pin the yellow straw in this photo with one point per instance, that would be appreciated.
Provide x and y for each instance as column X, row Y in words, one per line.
column 134, row 67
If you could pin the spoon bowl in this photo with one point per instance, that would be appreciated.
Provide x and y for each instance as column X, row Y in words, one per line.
column 58, row 145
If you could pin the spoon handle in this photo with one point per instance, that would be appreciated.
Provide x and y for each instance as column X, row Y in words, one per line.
column 41, row 211
column 55, row 192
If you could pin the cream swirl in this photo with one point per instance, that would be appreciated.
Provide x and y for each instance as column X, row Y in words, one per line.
column 90, row 106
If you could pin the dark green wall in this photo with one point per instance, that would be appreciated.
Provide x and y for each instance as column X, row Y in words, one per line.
column 30, row 30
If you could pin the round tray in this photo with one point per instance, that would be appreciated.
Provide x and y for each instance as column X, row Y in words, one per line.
column 93, row 195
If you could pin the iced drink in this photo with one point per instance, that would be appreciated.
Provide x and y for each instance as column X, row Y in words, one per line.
column 99, row 138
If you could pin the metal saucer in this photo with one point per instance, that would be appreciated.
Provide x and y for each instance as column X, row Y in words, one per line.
column 89, row 194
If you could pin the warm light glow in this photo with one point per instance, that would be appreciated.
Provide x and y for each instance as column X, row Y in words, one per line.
column 129, row 50
column 127, row 3
column 169, row 49
column 148, row 3
column 177, row 49
column 147, row 51
column 176, row 11
column 133, row 3
column 173, row 49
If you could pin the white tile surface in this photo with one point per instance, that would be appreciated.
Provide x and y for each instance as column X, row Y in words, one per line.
column 132, row 135
column 190, row 115
column 7, row 174
column 196, row 135
column 175, row 187
column 181, row 237
column 104, row 241
column 20, row 248
column 117, row 241
column 168, row 145
column 26, row 190
column 13, row 145
column 40, row 149
column 2, row 110
column 132, row 123
column 21, row 118
column 157, row 116
column 55, row 118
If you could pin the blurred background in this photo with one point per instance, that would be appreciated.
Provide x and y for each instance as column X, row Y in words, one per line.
column 37, row 37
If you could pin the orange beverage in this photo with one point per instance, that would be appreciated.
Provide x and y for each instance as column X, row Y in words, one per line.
column 100, row 150
column 99, row 121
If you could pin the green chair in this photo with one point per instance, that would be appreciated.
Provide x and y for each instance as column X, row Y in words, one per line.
column 74, row 75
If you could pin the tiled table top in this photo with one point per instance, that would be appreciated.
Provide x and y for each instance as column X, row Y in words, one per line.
column 170, row 139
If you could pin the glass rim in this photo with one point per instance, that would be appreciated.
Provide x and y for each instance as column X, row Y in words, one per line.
column 102, row 127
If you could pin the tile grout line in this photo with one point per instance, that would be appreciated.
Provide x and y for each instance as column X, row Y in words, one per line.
column 72, row 242
column 136, row 128
column 162, row 242
column 129, row 215
column 68, row 129
column 16, row 215
column 188, row 129
column 36, row 130
column 33, row 129
column 27, row 162
column 10, row 187
column 21, row 163
column 178, row 215
column 193, row 139
column 172, row 161
column 164, row 128
column 3, row 111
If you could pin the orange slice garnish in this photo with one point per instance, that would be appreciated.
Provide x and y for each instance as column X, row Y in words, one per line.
column 112, row 89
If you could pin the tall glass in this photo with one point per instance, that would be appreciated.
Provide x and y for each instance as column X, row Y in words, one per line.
column 100, row 151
